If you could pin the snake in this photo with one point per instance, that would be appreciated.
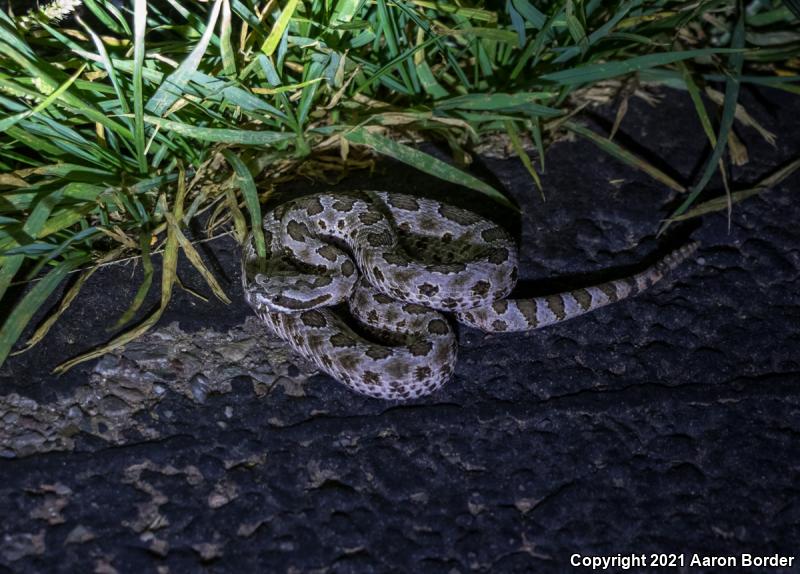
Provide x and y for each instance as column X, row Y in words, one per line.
column 361, row 283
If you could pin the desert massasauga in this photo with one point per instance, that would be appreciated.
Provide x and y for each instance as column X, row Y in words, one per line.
column 398, row 261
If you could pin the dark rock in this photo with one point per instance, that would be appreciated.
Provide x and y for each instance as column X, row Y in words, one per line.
column 667, row 423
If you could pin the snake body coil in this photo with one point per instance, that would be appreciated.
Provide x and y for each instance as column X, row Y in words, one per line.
column 398, row 261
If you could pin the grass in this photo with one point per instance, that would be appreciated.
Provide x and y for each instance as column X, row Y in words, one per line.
column 125, row 121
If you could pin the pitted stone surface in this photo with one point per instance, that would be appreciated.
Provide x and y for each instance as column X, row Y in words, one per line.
column 667, row 423
column 133, row 380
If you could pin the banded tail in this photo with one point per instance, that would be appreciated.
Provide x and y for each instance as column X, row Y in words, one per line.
column 528, row 314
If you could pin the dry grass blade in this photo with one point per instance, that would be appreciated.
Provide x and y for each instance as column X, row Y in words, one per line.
column 742, row 116
column 67, row 300
column 523, row 155
column 168, row 278
column 190, row 291
column 625, row 156
column 250, row 193
column 194, row 257
column 724, row 202
column 239, row 222
column 144, row 287
column 732, row 85
column 699, row 106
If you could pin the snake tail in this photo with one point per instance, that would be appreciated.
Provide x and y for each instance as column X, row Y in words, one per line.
column 509, row 315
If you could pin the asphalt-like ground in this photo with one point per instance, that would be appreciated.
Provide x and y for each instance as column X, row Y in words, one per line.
column 664, row 424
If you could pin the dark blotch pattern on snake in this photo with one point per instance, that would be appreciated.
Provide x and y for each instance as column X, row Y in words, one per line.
column 398, row 261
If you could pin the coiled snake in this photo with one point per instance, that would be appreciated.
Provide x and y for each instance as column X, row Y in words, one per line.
column 398, row 261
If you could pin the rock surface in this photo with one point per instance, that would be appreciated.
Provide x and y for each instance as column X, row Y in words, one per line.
column 667, row 423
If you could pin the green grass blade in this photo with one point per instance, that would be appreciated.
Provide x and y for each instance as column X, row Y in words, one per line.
column 250, row 193
column 523, row 155
column 423, row 162
column 173, row 86
column 600, row 33
column 576, row 29
column 65, row 218
column 344, row 11
column 100, row 12
column 794, row 6
column 275, row 35
column 496, row 101
column 44, row 104
column 23, row 312
column 388, row 26
column 139, row 30
column 10, row 266
column 46, row 73
column 382, row 73
column 530, row 13
column 35, row 142
column 536, row 130
column 226, row 48
column 732, row 85
column 428, row 80
column 112, row 73
column 221, row 135
column 606, row 70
